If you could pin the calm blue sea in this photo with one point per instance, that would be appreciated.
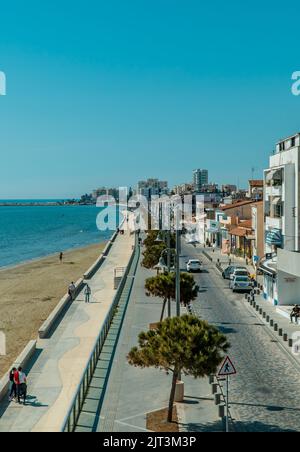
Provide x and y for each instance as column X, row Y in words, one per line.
column 32, row 232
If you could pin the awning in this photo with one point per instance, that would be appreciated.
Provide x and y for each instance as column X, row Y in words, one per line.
column 270, row 175
column 274, row 237
column 274, row 175
column 267, row 270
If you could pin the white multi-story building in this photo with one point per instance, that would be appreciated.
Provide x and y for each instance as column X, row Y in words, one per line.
column 282, row 226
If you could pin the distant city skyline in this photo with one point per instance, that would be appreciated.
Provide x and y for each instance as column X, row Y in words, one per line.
column 114, row 92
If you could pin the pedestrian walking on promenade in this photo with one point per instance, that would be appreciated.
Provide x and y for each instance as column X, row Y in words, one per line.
column 87, row 293
column 22, row 388
column 72, row 291
column 12, row 385
column 61, row 255
column 17, row 383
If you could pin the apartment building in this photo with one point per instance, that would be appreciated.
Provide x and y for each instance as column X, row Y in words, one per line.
column 281, row 266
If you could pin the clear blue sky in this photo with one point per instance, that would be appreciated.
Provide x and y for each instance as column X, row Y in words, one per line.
column 109, row 92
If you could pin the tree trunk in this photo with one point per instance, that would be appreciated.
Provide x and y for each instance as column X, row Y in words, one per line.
column 172, row 395
column 163, row 310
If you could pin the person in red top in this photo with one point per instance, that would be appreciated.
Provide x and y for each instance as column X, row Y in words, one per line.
column 16, row 377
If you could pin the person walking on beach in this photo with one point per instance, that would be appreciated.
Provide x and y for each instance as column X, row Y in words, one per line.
column 12, row 385
column 87, row 293
column 72, row 291
column 22, row 388
column 61, row 255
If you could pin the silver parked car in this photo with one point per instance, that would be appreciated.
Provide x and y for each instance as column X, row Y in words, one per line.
column 241, row 284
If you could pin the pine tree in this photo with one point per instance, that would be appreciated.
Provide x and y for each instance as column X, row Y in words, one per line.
column 164, row 286
column 180, row 345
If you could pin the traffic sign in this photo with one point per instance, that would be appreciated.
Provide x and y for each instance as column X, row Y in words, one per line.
column 227, row 368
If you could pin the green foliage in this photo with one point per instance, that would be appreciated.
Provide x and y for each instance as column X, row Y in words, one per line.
column 154, row 249
column 180, row 344
column 164, row 286
column 152, row 255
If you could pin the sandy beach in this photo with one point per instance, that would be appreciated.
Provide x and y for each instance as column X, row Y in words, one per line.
column 29, row 292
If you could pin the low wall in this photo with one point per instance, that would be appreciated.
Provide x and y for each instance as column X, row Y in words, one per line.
column 59, row 309
column 97, row 264
column 22, row 360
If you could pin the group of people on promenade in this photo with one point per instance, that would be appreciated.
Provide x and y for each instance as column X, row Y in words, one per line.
column 18, row 385
column 72, row 292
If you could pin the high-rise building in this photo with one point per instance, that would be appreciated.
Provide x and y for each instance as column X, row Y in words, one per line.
column 200, row 178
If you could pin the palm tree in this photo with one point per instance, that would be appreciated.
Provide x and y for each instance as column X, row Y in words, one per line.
column 164, row 286
column 178, row 345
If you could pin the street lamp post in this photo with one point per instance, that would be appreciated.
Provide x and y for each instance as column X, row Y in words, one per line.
column 169, row 265
column 177, row 272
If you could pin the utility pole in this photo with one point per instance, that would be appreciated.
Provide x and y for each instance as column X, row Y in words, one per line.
column 227, row 403
column 177, row 272
column 169, row 265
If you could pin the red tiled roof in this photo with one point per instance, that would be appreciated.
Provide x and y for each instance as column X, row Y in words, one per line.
column 256, row 183
column 237, row 204
column 238, row 231
column 246, row 224
column 242, row 230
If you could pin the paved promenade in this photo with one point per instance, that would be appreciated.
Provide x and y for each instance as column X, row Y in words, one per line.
column 59, row 362
column 133, row 392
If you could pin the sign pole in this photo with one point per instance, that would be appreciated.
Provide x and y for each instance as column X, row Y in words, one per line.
column 227, row 404
column 226, row 370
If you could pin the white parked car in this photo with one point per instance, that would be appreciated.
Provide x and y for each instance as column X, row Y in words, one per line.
column 194, row 265
column 239, row 271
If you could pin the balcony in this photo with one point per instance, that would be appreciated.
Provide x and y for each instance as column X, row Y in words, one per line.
column 274, row 190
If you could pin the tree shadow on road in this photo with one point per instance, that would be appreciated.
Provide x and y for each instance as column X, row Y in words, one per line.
column 237, row 426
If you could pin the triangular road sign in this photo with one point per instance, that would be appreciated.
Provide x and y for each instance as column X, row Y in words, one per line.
column 227, row 368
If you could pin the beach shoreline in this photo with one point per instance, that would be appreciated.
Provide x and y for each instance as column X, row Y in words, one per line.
column 29, row 291
column 41, row 258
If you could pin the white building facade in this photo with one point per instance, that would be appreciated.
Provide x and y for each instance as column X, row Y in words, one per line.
column 282, row 226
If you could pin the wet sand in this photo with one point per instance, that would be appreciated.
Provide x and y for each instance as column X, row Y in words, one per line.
column 29, row 292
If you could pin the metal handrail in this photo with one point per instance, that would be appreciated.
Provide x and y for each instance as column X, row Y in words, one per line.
column 77, row 401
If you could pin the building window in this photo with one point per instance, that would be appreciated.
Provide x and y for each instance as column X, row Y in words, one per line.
column 282, row 146
column 278, row 210
column 267, row 208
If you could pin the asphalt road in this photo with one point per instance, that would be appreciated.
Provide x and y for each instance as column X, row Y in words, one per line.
column 265, row 393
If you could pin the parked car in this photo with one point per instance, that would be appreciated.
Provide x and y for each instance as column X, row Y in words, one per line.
column 241, row 284
column 228, row 271
column 194, row 265
column 239, row 271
